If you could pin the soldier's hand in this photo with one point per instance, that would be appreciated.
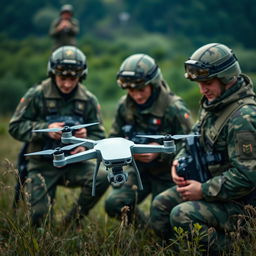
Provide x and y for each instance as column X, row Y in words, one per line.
column 55, row 135
column 77, row 150
column 81, row 133
column 178, row 180
column 64, row 24
column 192, row 191
column 147, row 157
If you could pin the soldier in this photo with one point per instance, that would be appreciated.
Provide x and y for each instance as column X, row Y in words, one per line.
column 57, row 101
column 65, row 28
column 148, row 108
column 227, row 125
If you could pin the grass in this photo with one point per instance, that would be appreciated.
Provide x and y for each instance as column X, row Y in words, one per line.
column 97, row 234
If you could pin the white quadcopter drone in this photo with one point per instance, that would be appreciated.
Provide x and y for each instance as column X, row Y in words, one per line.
column 114, row 153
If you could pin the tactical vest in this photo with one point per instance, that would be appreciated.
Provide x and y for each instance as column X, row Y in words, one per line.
column 50, row 108
column 51, row 114
column 152, row 125
column 213, row 133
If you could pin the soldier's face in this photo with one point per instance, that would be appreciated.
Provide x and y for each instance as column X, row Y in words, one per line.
column 66, row 84
column 140, row 96
column 211, row 89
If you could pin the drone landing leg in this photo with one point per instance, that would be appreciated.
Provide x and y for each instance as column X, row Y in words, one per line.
column 138, row 174
column 95, row 176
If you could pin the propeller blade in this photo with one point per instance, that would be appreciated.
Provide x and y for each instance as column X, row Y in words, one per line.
column 69, row 147
column 41, row 153
column 79, row 126
column 151, row 136
column 75, row 127
column 167, row 136
column 48, row 130
column 184, row 136
column 52, row 151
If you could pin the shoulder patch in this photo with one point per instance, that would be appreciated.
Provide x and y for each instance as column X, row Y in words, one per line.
column 246, row 145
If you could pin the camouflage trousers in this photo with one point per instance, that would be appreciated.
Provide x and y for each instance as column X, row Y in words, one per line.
column 217, row 219
column 130, row 195
column 44, row 178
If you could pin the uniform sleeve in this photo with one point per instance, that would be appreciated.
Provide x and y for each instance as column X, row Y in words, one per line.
column 75, row 29
column 27, row 118
column 93, row 115
column 52, row 30
column 240, row 179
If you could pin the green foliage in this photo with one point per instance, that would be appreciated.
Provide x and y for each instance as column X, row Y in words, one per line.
column 189, row 243
column 194, row 19
column 10, row 88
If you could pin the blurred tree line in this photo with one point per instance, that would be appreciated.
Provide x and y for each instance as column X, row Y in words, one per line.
column 168, row 30
column 232, row 21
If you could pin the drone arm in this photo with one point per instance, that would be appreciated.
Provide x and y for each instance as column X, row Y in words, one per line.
column 168, row 147
column 85, row 155
column 71, row 140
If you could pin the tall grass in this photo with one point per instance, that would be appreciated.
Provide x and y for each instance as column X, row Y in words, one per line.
column 96, row 234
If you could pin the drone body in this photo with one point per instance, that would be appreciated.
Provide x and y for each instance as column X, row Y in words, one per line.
column 114, row 153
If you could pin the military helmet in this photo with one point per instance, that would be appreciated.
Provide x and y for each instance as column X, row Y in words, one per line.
column 67, row 8
column 212, row 61
column 137, row 71
column 68, row 61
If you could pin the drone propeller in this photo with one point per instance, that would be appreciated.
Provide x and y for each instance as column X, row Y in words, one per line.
column 52, row 151
column 68, row 128
column 169, row 137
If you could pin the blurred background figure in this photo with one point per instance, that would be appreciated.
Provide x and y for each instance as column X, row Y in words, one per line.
column 148, row 107
column 65, row 28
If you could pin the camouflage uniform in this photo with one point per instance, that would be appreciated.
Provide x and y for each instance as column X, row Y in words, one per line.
column 44, row 104
column 166, row 115
column 66, row 36
column 233, row 179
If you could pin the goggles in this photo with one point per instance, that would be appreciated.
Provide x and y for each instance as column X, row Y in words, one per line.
column 198, row 71
column 130, row 82
column 131, row 79
column 68, row 69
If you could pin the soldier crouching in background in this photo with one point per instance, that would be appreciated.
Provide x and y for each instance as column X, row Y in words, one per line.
column 57, row 101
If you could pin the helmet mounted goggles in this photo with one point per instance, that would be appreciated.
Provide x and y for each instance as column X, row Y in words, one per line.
column 199, row 71
column 132, row 79
column 68, row 68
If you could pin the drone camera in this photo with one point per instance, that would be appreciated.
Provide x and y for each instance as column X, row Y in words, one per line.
column 117, row 177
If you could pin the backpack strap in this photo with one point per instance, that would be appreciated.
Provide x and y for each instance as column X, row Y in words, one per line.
column 213, row 133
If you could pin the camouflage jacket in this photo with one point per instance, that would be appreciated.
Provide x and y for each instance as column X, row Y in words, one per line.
column 66, row 36
column 235, row 176
column 167, row 115
column 43, row 104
